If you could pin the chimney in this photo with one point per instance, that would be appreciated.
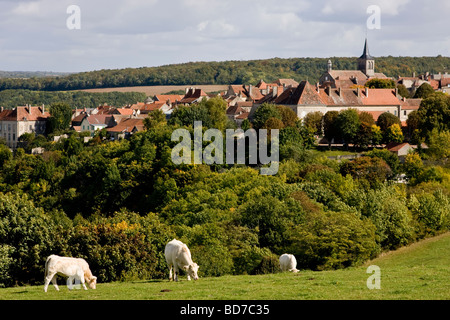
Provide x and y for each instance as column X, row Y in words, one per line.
column 317, row 87
column 396, row 92
column 367, row 92
column 414, row 74
column 328, row 90
column 339, row 91
column 358, row 91
column 274, row 91
column 43, row 109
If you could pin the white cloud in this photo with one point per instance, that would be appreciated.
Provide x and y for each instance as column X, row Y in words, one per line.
column 117, row 33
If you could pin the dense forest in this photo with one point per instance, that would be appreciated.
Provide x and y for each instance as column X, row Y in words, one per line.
column 76, row 99
column 227, row 72
column 117, row 203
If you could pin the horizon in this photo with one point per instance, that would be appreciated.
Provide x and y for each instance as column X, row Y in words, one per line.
column 57, row 36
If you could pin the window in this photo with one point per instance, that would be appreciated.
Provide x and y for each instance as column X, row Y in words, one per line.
column 404, row 112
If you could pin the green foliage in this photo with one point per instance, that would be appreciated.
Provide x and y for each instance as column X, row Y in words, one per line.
column 93, row 201
column 432, row 211
column 387, row 119
column 263, row 113
column 380, row 83
column 313, row 120
column 434, row 113
column 424, row 91
column 60, row 117
column 347, row 123
column 225, row 72
column 332, row 240
column 373, row 170
column 393, row 134
column 76, row 99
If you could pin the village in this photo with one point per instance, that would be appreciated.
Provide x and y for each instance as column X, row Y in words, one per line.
column 336, row 90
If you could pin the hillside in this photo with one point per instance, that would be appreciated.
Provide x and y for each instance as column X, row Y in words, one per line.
column 419, row 271
column 225, row 72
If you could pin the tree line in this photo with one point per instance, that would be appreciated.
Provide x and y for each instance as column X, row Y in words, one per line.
column 226, row 72
column 76, row 99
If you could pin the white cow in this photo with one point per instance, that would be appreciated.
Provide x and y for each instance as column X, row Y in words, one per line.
column 73, row 268
column 178, row 256
column 288, row 263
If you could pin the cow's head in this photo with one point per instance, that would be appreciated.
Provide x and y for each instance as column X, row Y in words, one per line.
column 192, row 270
column 92, row 282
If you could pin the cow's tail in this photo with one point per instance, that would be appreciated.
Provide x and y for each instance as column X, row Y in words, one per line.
column 46, row 267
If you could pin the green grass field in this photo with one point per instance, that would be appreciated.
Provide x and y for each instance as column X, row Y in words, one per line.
column 419, row 271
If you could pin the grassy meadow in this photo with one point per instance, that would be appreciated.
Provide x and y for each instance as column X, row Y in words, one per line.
column 419, row 271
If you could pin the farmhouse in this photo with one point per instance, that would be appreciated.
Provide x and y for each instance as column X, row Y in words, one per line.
column 20, row 120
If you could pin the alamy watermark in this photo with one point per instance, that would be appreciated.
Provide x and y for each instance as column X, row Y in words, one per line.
column 374, row 281
column 374, row 20
column 73, row 22
column 214, row 152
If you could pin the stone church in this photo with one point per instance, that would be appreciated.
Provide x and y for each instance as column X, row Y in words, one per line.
column 346, row 79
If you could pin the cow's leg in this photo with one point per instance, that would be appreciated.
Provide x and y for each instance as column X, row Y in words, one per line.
column 170, row 273
column 47, row 280
column 175, row 273
column 53, row 277
column 83, row 282
column 69, row 283
column 188, row 277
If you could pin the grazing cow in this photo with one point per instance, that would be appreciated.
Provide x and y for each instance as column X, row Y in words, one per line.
column 288, row 263
column 73, row 268
column 178, row 256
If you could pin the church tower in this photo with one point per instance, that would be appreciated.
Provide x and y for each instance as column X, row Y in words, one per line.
column 366, row 63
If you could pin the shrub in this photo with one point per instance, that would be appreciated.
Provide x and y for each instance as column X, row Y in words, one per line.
column 28, row 235
column 332, row 240
column 114, row 251
column 269, row 264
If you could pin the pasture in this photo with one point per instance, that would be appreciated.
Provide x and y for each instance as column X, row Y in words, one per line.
column 419, row 271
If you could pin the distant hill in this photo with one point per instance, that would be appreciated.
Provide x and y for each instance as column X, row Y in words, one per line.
column 225, row 72
column 31, row 74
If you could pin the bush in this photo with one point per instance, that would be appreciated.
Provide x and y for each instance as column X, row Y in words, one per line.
column 27, row 237
column 114, row 251
column 269, row 264
column 332, row 240
column 432, row 211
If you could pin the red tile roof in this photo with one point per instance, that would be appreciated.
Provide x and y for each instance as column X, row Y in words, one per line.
column 24, row 113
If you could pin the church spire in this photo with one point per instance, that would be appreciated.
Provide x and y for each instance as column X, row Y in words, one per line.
column 366, row 54
column 366, row 63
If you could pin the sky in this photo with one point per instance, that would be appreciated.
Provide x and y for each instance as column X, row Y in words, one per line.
column 39, row 35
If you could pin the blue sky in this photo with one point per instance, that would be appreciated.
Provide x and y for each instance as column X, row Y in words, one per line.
column 136, row 33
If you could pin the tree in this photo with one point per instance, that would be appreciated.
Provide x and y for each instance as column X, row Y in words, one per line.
column 393, row 134
column 424, row 91
column 377, row 135
column 439, row 144
column 380, row 83
column 264, row 112
column 374, row 170
column 61, row 117
column 387, row 119
column 347, row 124
column 434, row 113
column 413, row 165
column 288, row 116
column 403, row 91
column 313, row 120
column 329, row 126
column 154, row 118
